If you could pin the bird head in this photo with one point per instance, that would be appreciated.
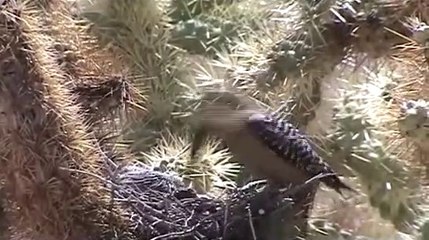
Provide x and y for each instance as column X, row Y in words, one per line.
column 221, row 113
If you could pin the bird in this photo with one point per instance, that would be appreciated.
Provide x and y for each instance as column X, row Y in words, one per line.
column 269, row 147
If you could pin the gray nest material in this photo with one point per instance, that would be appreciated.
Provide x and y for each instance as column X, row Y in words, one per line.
column 162, row 207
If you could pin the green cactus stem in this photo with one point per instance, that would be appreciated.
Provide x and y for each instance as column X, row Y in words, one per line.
column 386, row 180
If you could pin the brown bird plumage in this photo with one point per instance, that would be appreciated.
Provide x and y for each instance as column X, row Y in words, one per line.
column 270, row 148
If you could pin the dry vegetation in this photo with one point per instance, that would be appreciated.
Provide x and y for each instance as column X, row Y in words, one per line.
column 96, row 99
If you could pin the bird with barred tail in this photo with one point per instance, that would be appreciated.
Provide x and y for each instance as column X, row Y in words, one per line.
column 268, row 147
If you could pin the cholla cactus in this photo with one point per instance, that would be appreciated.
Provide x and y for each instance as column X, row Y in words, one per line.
column 414, row 122
column 199, row 37
column 220, row 27
column 139, row 32
column 298, row 65
column 49, row 155
column 183, row 10
column 210, row 171
column 387, row 181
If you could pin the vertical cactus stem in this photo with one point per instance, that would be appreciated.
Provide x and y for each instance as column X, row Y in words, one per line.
column 139, row 32
column 306, row 57
column 49, row 155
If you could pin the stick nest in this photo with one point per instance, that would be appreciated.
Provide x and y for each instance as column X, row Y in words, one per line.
column 163, row 208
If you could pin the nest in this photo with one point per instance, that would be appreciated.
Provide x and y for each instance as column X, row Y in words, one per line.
column 161, row 207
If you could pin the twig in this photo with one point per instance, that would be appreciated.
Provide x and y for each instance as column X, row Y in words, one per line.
column 252, row 228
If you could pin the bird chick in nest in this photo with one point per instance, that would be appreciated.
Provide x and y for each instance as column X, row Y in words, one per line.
column 269, row 147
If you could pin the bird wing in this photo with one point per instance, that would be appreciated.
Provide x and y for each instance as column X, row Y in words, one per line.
column 286, row 141
column 292, row 146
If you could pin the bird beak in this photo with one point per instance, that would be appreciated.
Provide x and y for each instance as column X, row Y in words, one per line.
column 198, row 140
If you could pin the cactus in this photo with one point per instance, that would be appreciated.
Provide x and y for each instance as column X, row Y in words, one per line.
column 143, row 41
column 327, row 39
column 183, row 10
column 49, row 154
column 201, row 38
column 414, row 122
column 297, row 73
column 210, row 171
column 101, row 81
column 387, row 181
column 219, row 29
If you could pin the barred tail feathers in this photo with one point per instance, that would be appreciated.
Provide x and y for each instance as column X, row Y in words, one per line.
column 335, row 183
